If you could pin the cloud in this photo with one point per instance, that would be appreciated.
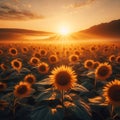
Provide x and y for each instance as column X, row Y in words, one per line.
column 10, row 12
column 80, row 4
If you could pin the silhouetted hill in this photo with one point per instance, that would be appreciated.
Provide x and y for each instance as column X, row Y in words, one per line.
column 23, row 31
column 20, row 34
column 111, row 29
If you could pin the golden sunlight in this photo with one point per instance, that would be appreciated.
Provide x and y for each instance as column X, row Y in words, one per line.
column 64, row 31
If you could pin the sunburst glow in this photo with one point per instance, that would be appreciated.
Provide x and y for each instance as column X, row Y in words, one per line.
column 64, row 30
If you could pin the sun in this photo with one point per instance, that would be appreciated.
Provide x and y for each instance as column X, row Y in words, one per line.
column 64, row 31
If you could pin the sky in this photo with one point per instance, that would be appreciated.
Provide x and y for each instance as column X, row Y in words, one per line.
column 51, row 15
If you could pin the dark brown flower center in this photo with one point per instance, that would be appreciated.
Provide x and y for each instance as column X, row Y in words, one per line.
column 37, row 55
column 57, row 53
column 24, row 49
column 74, row 58
column 53, row 59
column 22, row 89
column 34, row 61
column 89, row 64
column 42, row 52
column 30, row 79
column 13, row 51
column 103, row 71
column 93, row 48
column 42, row 68
column 112, row 58
column 106, row 50
column 114, row 93
column 77, row 53
column 16, row 64
column 63, row 78
column 67, row 52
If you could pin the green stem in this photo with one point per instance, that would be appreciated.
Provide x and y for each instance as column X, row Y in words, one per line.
column 95, row 83
column 14, row 107
column 111, row 110
column 62, row 98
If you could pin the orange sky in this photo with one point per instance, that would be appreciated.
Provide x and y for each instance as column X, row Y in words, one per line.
column 51, row 15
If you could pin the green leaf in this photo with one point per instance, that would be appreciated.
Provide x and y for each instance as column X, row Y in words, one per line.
column 25, row 71
column 79, row 88
column 91, row 74
column 58, row 115
column 78, row 109
column 88, row 85
column 44, row 95
column 44, row 82
column 68, row 97
column 39, row 113
column 23, row 112
column 6, row 74
column 82, row 110
column 97, row 100
column 44, row 112
column 8, row 97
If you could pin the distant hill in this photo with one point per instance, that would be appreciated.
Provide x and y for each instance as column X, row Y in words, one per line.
column 111, row 29
column 23, row 31
column 20, row 34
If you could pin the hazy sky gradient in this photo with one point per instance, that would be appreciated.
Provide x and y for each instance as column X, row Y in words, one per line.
column 50, row 15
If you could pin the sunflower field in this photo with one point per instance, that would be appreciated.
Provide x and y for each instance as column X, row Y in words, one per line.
column 50, row 81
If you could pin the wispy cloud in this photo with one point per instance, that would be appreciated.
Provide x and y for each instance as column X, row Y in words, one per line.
column 79, row 4
column 11, row 12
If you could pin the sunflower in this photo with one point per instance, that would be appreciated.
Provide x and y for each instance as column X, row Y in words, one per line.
column 111, row 92
column 89, row 64
column 103, row 71
column 57, row 53
column 33, row 48
column 53, row 59
column 16, row 64
column 24, row 50
column 13, row 51
column 43, row 52
column 22, row 90
column 112, row 58
column 106, row 50
column 43, row 68
column 73, row 58
column 36, row 54
column 3, row 104
column 34, row 61
column 118, row 59
column 63, row 78
column 30, row 78
column 3, row 86
column 77, row 52
column 93, row 49
column 3, row 67
column 96, row 64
